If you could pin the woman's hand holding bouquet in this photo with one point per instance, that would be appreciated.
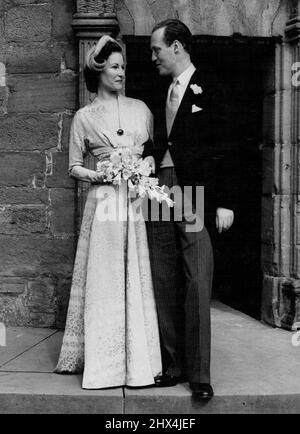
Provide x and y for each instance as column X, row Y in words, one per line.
column 125, row 164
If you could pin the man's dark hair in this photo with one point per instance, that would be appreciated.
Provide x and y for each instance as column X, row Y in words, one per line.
column 176, row 30
column 92, row 77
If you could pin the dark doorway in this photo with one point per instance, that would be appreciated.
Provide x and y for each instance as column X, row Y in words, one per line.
column 242, row 66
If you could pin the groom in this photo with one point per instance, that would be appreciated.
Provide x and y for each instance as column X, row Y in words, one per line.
column 185, row 145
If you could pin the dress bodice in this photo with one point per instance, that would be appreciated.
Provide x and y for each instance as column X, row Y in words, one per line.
column 93, row 129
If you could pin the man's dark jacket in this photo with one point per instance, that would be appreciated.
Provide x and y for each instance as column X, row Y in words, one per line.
column 197, row 141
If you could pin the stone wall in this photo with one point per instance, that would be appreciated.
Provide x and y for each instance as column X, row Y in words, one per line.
column 38, row 96
column 37, row 198
column 209, row 17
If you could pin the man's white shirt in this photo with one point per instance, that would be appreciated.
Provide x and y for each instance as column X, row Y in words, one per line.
column 182, row 82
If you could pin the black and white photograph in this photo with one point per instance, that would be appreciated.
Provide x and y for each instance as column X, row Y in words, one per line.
column 150, row 209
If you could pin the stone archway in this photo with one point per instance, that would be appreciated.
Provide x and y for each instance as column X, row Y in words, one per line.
column 281, row 194
column 281, row 181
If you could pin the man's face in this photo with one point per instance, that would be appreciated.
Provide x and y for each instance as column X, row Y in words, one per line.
column 162, row 55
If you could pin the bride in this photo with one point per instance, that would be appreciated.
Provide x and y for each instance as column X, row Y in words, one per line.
column 111, row 333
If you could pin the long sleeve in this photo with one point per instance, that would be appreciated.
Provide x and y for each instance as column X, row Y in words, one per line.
column 77, row 149
column 77, row 152
column 148, row 145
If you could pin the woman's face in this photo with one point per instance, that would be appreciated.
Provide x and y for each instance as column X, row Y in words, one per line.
column 113, row 74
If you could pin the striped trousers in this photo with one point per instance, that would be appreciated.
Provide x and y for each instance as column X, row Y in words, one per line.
column 182, row 270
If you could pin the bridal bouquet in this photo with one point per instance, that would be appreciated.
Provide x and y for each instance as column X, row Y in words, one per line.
column 125, row 164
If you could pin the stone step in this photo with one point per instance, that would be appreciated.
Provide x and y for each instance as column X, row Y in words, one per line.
column 43, row 393
column 254, row 370
column 178, row 401
column 52, row 394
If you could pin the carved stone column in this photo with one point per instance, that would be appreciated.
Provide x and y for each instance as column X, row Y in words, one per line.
column 281, row 254
column 291, row 289
column 93, row 19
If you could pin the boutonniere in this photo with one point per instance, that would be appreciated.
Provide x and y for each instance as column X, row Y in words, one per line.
column 196, row 109
column 196, row 89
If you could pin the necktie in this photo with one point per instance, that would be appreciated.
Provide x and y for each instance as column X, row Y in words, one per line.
column 172, row 105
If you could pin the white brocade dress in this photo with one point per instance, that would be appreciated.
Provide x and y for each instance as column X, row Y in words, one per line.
column 111, row 333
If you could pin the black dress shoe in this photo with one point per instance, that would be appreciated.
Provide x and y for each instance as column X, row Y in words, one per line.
column 201, row 391
column 166, row 380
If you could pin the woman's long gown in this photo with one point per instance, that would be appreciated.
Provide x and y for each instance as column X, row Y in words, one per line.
column 111, row 331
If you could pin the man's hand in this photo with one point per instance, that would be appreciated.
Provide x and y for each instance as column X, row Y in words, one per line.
column 151, row 162
column 224, row 219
